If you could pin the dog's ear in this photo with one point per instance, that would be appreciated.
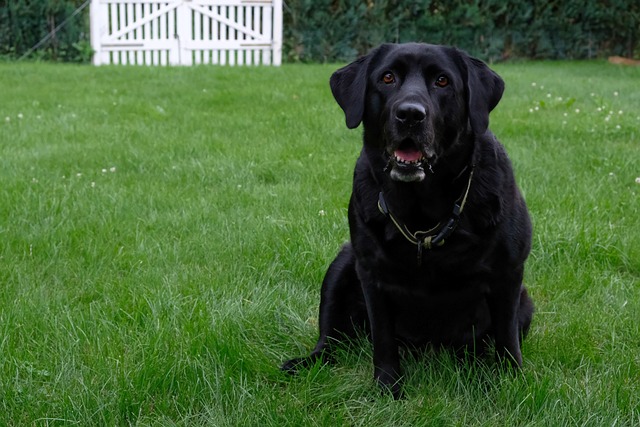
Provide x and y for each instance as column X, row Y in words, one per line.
column 349, row 85
column 484, row 90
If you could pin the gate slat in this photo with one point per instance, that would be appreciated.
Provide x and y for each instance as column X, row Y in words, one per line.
column 224, row 36
column 248, row 22
column 206, row 35
column 256, row 27
column 215, row 37
column 266, row 30
column 232, row 34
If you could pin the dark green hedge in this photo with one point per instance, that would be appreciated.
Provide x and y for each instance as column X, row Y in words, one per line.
column 340, row 30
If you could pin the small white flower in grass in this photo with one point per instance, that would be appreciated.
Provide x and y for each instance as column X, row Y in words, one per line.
column 537, row 108
column 615, row 93
column 577, row 110
column 534, row 84
column 598, row 109
column 548, row 95
column 93, row 184
column 20, row 116
column 104, row 171
column 618, row 127
column 7, row 119
column 541, row 87
column 564, row 122
column 606, row 119
column 531, row 110
column 321, row 212
column 565, row 114
column 638, row 180
column 620, row 112
column 112, row 169
column 593, row 94
column 610, row 173
column 79, row 174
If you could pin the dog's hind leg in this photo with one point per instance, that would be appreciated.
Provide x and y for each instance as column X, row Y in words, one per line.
column 342, row 310
column 525, row 313
column 508, row 316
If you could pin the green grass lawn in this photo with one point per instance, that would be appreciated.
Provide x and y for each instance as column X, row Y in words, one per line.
column 164, row 233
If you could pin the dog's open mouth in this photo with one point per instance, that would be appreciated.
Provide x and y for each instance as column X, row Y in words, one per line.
column 406, row 162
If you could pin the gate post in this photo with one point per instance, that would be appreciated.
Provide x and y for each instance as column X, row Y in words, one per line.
column 277, row 33
column 183, row 34
column 99, row 26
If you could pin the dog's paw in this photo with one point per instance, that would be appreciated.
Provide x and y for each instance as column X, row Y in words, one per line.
column 394, row 389
column 293, row 366
column 390, row 384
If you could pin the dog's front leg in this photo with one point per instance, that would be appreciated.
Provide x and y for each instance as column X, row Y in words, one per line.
column 504, row 303
column 386, row 360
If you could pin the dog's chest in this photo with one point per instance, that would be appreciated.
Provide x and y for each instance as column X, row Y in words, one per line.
column 437, row 316
column 417, row 265
column 429, row 281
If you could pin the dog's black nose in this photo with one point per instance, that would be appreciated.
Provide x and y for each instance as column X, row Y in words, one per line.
column 410, row 113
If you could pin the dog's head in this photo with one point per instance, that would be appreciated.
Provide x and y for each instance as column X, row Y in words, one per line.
column 416, row 101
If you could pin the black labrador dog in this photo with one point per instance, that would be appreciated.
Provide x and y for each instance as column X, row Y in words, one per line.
column 439, row 230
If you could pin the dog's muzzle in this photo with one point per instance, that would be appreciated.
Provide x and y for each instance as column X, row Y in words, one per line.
column 407, row 158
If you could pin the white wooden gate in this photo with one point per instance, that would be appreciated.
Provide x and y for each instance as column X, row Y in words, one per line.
column 186, row 32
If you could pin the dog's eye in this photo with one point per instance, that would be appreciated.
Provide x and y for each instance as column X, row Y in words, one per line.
column 442, row 81
column 388, row 78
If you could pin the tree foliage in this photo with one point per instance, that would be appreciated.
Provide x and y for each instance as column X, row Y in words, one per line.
column 24, row 23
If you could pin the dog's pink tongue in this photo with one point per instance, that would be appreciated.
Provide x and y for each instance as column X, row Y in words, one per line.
column 410, row 155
